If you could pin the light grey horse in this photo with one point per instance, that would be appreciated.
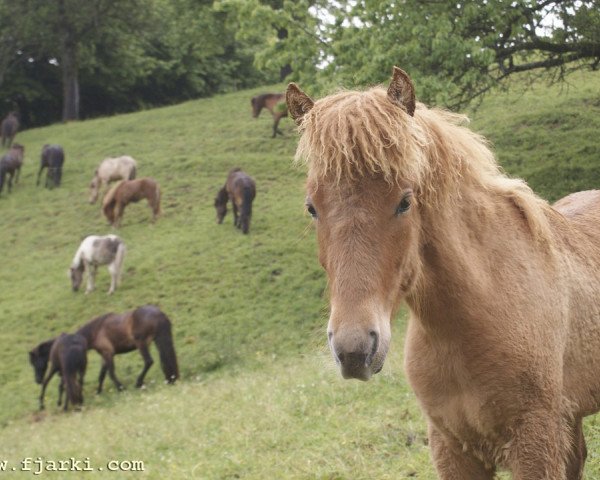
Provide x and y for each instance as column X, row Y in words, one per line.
column 93, row 251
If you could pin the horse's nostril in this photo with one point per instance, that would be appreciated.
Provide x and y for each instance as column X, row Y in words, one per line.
column 374, row 346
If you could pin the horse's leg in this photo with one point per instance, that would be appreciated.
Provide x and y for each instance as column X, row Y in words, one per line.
column 143, row 348
column 110, row 365
column 66, row 396
column 81, row 376
column 235, row 214
column 578, row 452
column 45, row 384
column 37, row 183
column 276, row 119
column 452, row 463
column 540, row 447
column 91, row 276
column 119, row 207
column 113, row 278
column 17, row 175
column 103, row 370
column 10, row 179
column 61, row 388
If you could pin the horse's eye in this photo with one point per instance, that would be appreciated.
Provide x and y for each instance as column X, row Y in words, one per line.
column 404, row 205
column 311, row 210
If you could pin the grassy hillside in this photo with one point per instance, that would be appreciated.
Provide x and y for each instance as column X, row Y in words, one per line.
column 259, row 396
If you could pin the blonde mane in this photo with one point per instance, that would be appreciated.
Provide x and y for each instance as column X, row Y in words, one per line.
column 352, row 134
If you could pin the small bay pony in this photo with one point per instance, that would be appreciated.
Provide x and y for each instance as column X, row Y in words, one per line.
column 503, row 341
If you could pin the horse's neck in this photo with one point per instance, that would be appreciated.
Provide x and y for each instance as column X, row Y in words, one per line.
column 478, row 251
column 78, row 258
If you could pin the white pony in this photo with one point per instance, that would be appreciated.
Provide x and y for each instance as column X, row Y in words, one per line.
column 111, row 170
column 93, row 251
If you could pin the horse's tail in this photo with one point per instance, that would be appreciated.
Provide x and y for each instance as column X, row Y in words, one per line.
column 132, row 173
column 246, row 210
column 75, row 362
column 166, row 350
column 119, row 257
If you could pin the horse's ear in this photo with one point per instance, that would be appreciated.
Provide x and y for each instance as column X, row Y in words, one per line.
column 401, row 91
column 298, row 102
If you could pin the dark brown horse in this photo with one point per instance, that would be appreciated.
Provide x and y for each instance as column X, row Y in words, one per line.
column 241, row 189
column 68, row 356
column 52, row 158
column 274, row 103
column 9, row 128
column 114, row 333
column 129, row 191
column 10, row 164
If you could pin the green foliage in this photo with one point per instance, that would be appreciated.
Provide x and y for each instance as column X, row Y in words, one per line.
column 259, row 397
column 456, row 51
column 129, row 54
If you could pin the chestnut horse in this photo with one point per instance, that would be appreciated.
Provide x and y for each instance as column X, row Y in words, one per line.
column 111, row 170
column 130, row 191
column 68, row 357
column 503, row 341
column 274, row 103
column 10, row 164
column 241, row 189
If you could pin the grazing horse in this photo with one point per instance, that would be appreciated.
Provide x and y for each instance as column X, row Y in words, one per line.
column 9, row 128
column 130, row 191
column 274, row 103
column 52, row 158
column 503, row 341
column 241, row 189
column 68, row 356
column 93, row 251
column 111, row 170
column 114, row 333
column 10, row 164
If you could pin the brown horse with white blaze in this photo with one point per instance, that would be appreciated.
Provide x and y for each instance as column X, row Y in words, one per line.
column 503, row 341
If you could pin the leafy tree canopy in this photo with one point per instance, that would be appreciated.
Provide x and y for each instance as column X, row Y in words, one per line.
column 456, row 51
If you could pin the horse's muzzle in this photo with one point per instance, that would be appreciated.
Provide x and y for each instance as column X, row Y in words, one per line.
column 356, row 358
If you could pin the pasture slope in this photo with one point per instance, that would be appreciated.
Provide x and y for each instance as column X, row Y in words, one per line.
column 259, row 397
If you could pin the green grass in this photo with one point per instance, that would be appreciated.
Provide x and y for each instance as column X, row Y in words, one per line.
column 259, row 396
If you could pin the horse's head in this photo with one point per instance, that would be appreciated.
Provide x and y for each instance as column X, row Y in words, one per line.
column 38, row 357
column 94, row 188
column 221, row 204
column 366, row 214
column 76, row 276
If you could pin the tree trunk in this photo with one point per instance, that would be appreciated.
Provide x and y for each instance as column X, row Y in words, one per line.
column 70, row 80
column 284, row 70
column 70, row 67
